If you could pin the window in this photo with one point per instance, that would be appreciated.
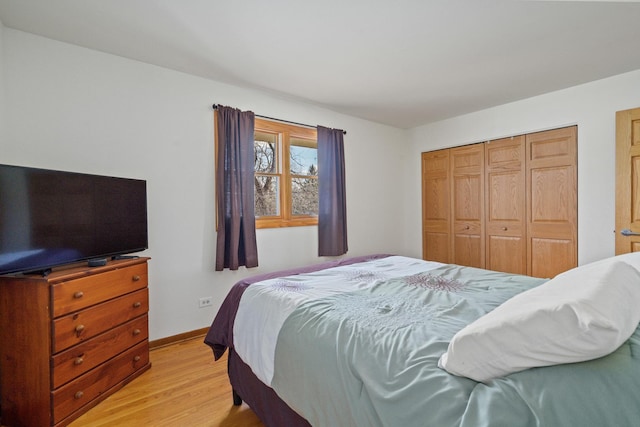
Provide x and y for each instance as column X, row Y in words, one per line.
column 286, row 175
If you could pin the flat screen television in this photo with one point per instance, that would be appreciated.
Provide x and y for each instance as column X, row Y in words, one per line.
column 49, row 218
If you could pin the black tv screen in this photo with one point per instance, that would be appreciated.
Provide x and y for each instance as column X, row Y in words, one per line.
column 49, row 218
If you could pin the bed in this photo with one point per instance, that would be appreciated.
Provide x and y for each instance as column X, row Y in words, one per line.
column 388, row 340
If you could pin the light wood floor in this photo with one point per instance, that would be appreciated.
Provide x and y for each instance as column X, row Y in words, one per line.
column 184, row 387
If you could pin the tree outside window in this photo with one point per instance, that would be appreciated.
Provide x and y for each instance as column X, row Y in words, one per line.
column 286, row 175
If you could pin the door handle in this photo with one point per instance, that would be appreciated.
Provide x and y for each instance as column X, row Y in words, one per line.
column 628, row 232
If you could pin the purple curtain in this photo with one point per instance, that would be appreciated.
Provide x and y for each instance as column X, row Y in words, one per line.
column 236, row 243
column 332, row 211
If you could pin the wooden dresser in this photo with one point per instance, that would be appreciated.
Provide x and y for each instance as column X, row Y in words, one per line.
column 69, row 340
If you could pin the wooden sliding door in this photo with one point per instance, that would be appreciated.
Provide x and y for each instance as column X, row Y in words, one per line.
column 506, row 204
column 552, row 200
column 436, row 213
column 467, row 205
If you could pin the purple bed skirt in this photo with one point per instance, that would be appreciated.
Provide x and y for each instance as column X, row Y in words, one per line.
column 261, row 398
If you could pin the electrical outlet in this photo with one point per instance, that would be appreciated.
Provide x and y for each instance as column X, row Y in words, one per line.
column 205, row 302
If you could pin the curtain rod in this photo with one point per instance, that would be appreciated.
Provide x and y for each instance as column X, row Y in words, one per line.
column 344, row 132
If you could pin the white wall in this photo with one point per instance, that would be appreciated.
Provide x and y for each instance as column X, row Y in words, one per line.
column 71, row 108
column 591, row 106
column 77, row 109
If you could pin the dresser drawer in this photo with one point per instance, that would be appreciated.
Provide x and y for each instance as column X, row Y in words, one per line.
column 98, row 381
column 79, row 359
column 77, row 327
column 80, row 293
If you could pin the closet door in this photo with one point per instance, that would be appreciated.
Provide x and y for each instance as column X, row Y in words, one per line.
column 467, row 205
column 552, row 201
column 506, row 224
column 436, row 194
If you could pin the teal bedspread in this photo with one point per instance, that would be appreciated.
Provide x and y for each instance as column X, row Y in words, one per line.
column 368, row 357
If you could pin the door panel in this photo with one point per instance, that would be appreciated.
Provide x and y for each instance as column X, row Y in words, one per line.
column 467, row 205
column 551, row 179
column 466, row 191
column 505, row 254
column 436, row 246
column 627, row 179
column 468, row 250
column 436, row 199
column 551, row 194
column 505, row 201
column 551, row 256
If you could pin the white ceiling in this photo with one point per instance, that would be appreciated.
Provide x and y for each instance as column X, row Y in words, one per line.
column 402, row 63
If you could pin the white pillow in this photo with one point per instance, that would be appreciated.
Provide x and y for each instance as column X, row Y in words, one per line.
column 632, row 258
column 581, row 314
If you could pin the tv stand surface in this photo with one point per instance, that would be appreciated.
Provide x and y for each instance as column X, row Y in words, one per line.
column 43, row 273
column 70, row 339
column 116, row 257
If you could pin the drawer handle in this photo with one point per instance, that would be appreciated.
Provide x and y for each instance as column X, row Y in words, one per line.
column 78, row 361
column 504, row 228
column 137, row 304
column 78, row 395
column 136, row 278
column 136, row 332
column 79, row 329
column 136, row 359
column 78, row 295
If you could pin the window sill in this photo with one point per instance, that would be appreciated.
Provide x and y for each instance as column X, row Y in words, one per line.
column 281, row 223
